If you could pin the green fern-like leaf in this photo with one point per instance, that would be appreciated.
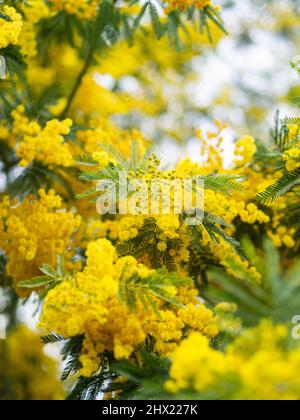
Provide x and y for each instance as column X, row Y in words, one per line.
column 87, row 193
column 14, row 60
column 280, row 133
column 156, row 24
column 140, row 16
column 147, row 290
column 291, row 121
column 285, row 184
column 90, row 388
column 213, row 225
column 3, row 14
column 112, row 151
column 111, row 172
column 173, row 26
column 48, row 271
column 142, row 382
column 224, row 184
column 36, row 282
column 71, row 353
column 217, row 233
column 38, row 176
column 52, row 338
column 276, row 297
column 215, row 18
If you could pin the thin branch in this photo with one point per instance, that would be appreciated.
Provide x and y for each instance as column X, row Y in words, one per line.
column 78, row 82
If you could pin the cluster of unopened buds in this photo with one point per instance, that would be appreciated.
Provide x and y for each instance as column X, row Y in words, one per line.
column 185, row 4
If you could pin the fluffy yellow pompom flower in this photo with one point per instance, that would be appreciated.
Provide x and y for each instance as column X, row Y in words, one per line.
column 89, row 305
column 283, row 237
column 34, row 233
column 10, row 30
column 47, row 145
column 245, row 150
column 195, row 364
column 34, row 11
column 291, row 157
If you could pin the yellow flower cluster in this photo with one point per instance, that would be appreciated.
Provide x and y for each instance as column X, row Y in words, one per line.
column 171, row 235
column 193, row 356
column 31, row 374
column 46, row 145
column 251, row 214
column 283, row 237
column 97, row 229
column 184, row 4
column 229, row 209
column 34, row 11
column 233, row 263
column 89, row 304
column 10, row 30
column 169, row 226
column 256, row 362
column 4, row 133
column 102, row 131
column 62, row 65
column 21, row 124
column 245, row 149
column 241, row 205
column 211, row 150
column 34, row 233
column 292, row 158
column 129, row 227
column 84, row 9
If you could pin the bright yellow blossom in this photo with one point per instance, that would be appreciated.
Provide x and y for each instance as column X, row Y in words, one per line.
column 89, row 304
column 10, row 30
column 257, row 364
column 34, row 233
column 34, row 11
column 46, row 145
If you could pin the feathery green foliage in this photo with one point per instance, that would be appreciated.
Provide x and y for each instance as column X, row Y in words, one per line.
column 90, row 388
column 37, row 176
column 291, row 121
column 285, row 184
column 147, row 289
column 277, row 297
column 51, row 276
column 52, row 338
